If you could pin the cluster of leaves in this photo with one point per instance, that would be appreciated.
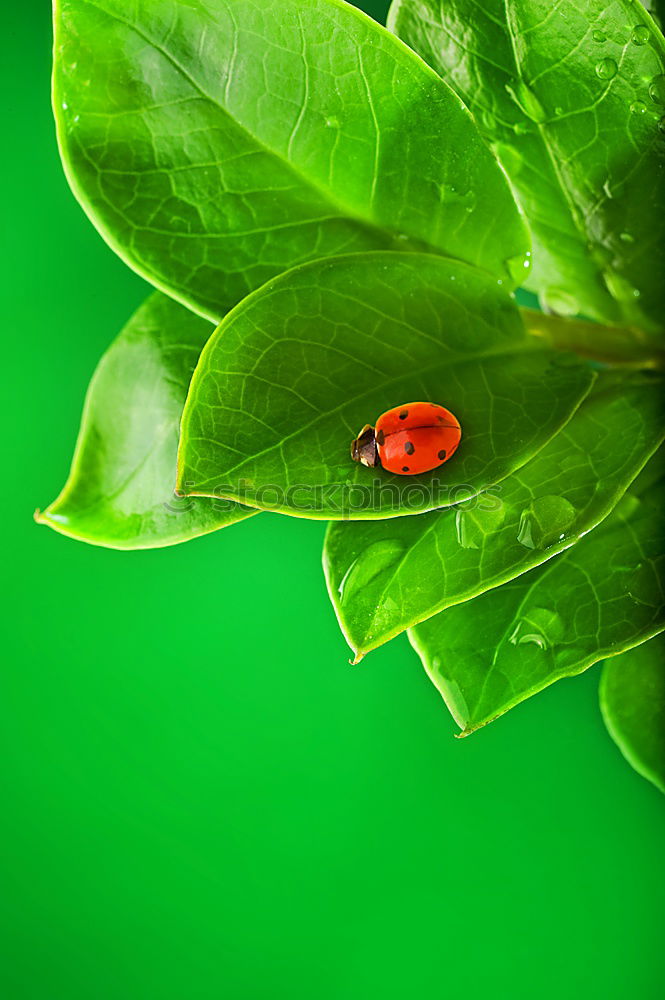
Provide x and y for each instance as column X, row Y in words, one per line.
column 335, row 217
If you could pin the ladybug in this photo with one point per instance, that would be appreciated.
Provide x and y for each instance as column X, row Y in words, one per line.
column 409, row 439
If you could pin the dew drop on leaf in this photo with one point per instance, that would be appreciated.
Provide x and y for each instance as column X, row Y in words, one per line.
column 606, row 69
column 640, row 35
column 621, row 289
column 474, row 525
column 598, row 36
column 518, row 267
column 560, row 302
column 626, row 238
column 638, row 107
column 657, row 89
column 332, row 122
column 661, row 124
column 376, row 558
column 488, row 120
column 521, row 128
column 525, row 98
column 539, row 627
column 545, row 521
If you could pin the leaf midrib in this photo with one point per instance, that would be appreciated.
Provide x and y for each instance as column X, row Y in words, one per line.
column 323, row 192
column 518, row 348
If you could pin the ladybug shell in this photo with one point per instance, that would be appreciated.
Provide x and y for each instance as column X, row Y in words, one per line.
column 416, row 437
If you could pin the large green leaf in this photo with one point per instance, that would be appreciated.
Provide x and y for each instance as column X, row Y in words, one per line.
column 601, row 597
column 632, row 699
column 571, row 97
column 293, row 373
column 388, row 575
column 120, row 489
column 215, row 143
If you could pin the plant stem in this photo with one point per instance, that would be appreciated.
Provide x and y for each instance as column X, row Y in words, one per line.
column 614, row 345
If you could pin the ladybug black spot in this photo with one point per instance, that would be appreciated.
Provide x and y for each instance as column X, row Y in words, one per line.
column 405, row 468
column 442, row 455
column 409, row 448
column 380, row 438
column 404, row 414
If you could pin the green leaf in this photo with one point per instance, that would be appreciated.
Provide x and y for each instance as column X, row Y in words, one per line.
column 601, row 597
column 632, row 700
column 215, row 143
column 120, row 489
column 296, row 370
column 385, row 576
column 571, row 98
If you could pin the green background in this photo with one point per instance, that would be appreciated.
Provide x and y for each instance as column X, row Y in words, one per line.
column 200, row 797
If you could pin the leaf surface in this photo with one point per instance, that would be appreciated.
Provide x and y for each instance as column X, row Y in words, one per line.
column 386, row 576
column 294, row 372
column 120, row 489
column 632, row 700
column 216, row 143
column 601, row 597
column 572, row 99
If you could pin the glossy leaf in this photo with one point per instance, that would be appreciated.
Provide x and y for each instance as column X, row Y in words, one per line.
column 632, row 699
column 215, row 143
column 385, row 576
column 120, row 489
column 296, row 370
column 601, row 597
column 572, row 99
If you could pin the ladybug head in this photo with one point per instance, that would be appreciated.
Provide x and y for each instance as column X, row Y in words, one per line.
column 364, row 449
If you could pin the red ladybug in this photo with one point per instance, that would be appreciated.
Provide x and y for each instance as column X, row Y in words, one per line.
column 409, row 439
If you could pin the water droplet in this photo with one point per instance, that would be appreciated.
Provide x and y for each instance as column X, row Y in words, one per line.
column 545, row 521
column 560, row 302
column 539, row 627
column 474, row 525
column 521, row 128
column 518, row 267
column 638, row 107
column 558, row 111
column 373, row 560
column 626, row 238
column 657, row 89
column 525, row 99
column 608, row 190
column 661, row 124
column 618, row 287
column 640, row 35
column 509, row 158
column 332, row 122
column 488, row 120
column 598, row 36
column 65, row 106
column 606, row 69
